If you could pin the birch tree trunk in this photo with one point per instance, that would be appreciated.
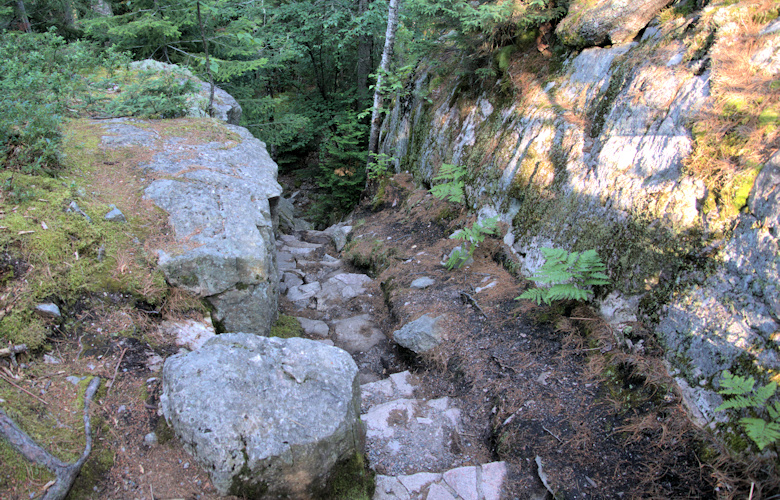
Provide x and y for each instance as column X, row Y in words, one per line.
column 387, row 54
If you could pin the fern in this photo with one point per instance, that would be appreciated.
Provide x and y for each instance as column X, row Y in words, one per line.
column 762, row 433
column 453, row 189
column 472, row 236
column 569, row 274
column 744, row 395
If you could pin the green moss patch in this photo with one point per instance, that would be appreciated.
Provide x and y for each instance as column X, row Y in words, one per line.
column 286, row 327
column 351, row 480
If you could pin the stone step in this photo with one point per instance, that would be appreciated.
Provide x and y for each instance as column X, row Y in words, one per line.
column 412, row 443
column 482, row 482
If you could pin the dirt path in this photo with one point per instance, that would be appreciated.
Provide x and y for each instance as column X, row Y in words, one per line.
column 550, row 391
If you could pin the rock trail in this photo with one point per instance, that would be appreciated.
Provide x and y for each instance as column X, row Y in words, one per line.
column 412, row 441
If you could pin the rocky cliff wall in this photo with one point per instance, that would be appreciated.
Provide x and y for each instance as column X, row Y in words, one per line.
column 594, row 156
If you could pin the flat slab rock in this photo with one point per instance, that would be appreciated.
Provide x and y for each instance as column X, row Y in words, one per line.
column 463, row 483
column 266, row 417
column 405, row 436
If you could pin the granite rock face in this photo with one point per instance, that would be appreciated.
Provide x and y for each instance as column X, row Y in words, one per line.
column 266, row 417
column 595, row 157
column 590, row 24
column 733, row 315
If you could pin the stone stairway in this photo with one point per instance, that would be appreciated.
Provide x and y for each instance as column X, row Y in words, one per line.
column 413, row 442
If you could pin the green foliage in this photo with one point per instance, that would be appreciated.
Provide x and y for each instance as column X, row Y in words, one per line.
column 453, row 187
column 472, row 236
column 764, row 429
column 45, row 81
column 569, row 274
column 40, row 77
column 153, row 95
column 489, row 25
column 381, row 167
column 343, row 166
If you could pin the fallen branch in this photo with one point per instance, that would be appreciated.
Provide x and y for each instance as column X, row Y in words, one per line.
column 65, row 473
column 14, row 349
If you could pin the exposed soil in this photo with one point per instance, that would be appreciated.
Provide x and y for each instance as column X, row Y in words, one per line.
column 536, row 385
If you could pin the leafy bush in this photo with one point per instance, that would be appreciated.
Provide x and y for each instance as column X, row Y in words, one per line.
column 764, row 428
column 489, row 25
column 569, row 274
column 472, row 236
column 38, row 77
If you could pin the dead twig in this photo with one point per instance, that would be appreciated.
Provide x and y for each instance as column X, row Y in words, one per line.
column 24, row 390
column 473, row 302
column 111, row 386
column 551, row 433
column 32, row 451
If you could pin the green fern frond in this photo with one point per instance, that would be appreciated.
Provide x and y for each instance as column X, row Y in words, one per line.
column 761, row 432
column 450, row 191
column 569, row 273
column 744, row 395
column 450, row 173
column 536, row 294
column 453, row 188
column 567, row 291
column 735, row 384
column 737, row 402
column 774, row 411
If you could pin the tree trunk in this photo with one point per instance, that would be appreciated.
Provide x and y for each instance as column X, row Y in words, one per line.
column 210, row 107
column 24, row 21
column 387, row 54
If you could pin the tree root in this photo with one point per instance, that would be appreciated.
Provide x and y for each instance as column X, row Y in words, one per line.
column 65, row 473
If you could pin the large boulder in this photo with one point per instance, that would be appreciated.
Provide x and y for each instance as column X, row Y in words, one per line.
column 266, row 417
column 219, row 202
column 603, row 22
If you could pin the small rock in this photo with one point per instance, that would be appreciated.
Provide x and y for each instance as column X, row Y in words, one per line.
column 314, row 327
column 439, row 492
column 464, row 481
column 421, row 335
column 121, row 409
column 48, row 310
column 115, row 215
column 74, row 208
column 150, row 439
column 421, row 283
column 51, row 360
column 303, row 292
column 74, row 379
column 357, row 334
